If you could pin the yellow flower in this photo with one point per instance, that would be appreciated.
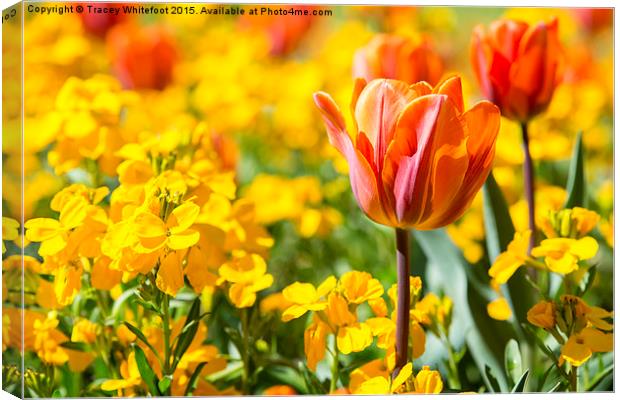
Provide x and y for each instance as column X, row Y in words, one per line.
column 10, row 230
column 130, row 377
column 427, row 381
column 351, row 336
column 580, row 346
column 47, row 340
column 315, row 342
column 53, row 234
column 174, row 233
column 508, row 262
column 84, row 331
column 562, row 255
column 499, row 309
column 542, row 314
column 274, row 302
column 305, row 297
column 359, row 287
column 574, row 222
column 367, row 371
column 247, row 275
column 385, row 385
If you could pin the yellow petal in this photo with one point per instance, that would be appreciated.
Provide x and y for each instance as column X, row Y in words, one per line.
column 353, row 338
column 149, row 226
column 584, row 248
column 182, row 217
column 300, row 293
column 574, row 352
column 183, row 240
column 170, row 275
column 40, row 229
column 499, row 309
column 404, row 373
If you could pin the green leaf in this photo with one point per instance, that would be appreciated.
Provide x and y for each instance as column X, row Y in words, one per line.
column 188, row 332
column 312, row 382
column 499, row 232
column 79, row 346
column 148, row 376
column 164, row 383
column 492, row 380
column 512, row 361
column 498, row 226
column 520, row 385
column 576, row 183
column 555, row 387
column 600, row 378
column 141, row 336
column 485, row 337
column 192, row 380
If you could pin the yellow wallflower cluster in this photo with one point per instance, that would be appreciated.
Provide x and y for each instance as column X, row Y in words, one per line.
column 335, row 304
column 580, row 329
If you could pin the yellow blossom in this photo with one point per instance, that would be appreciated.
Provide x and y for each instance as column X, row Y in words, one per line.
column 84, row 331
column 385, row 385
column 509, row 261
column 542, row 314
column 10, row 230
column 305, row 297
column 359, row 287
column 53, row 234
column 174, row 233
column 580, row 346
column 247, row 275
column 562, row 255
column 499, row 309
column 315, row 342
column 427, row 381
column 130, row 377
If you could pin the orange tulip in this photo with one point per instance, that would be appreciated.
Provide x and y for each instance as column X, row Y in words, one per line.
column 517, row 65
column 419, row 158
column 398, row 57
column 143, row 58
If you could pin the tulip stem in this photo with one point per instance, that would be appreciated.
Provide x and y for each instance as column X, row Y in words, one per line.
column 528, row 183
column 403, row 304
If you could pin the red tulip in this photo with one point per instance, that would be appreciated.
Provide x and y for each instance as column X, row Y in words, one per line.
column 517, row 65
column 100, row 24
column 418, row 158
column 143, row 58
column 398, row 57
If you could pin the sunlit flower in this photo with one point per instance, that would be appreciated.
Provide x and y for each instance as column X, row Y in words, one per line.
column 563, row 255
column 509, row 261
column 174, row 233
column 246, row 275
column 406, row 139
column 385, row 385
column 400, row 58
column 10, row 230
column 580, row 346
column 542, row 314
column 499, row 309
column 143, row 57
column 517, row 65
column 130, row 377
column 305, row 297
column 428, row 381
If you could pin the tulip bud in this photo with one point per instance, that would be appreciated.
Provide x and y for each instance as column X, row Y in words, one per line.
column 517, row 65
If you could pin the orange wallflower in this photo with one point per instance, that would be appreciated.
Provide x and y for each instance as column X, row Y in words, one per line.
column 143, row 58
column 398, row 57
column 517, row 65
column 419, row 158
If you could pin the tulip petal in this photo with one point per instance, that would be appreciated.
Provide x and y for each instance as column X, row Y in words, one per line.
column 482, row 122
column 377, row 110
column 452, row 88
column 362, row 177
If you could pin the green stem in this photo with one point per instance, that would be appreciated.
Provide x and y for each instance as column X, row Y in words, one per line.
column 573, row 379
column 245, row 377
column 453, row 373
column 334, row 381
column 166, row 326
